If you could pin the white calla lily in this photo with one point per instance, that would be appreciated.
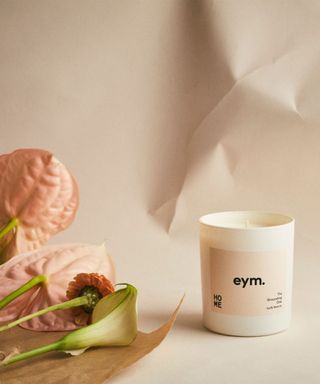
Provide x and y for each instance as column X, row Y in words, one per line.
column 114, row 323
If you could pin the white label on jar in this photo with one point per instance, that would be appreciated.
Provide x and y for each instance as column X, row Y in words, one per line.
column 248, row 283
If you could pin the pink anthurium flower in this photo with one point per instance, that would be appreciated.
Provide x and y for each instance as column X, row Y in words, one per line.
column 38, row 198
column 39, row 279
column 84, row 292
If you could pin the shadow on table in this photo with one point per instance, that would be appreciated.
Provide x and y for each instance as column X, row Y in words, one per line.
column 185, row 320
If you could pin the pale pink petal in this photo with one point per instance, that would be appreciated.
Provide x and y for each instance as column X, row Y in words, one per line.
column 38, row 190
column 60, row 263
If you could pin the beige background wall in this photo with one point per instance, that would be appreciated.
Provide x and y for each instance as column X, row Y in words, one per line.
column 166, row 110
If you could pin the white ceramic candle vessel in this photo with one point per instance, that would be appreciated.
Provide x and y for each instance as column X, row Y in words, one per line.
column 246, row 266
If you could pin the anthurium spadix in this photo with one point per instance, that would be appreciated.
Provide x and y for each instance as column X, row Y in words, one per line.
column 114, row 323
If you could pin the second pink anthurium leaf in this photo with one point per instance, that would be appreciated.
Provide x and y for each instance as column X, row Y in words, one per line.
column 60, row 264
column 38, row 198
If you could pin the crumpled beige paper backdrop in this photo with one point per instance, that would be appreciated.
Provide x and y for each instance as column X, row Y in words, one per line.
column 196, row 105
column 164, row 111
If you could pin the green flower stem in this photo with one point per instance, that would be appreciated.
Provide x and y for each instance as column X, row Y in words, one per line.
column 77, row 302
column 24, row 288
column 35, row 352
column 12, row 223
column 114, row 324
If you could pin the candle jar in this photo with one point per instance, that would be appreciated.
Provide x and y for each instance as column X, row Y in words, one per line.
column 246, row 268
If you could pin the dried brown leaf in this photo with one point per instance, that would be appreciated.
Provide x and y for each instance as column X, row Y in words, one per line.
column 95, row 366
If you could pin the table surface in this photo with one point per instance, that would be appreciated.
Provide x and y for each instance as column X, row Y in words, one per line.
column 191, row 353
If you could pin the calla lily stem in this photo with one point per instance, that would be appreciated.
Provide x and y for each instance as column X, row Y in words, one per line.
column 24, row 288
column 77, row 302
column 35, row 352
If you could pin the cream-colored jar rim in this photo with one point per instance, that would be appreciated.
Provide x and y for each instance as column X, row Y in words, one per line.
column 245, row 220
